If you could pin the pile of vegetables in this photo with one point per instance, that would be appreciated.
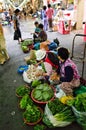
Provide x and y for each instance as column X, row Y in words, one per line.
column 79, row 108
column 22, row 90
column 25, row 101
column 39, row 127
column 32, row 114
column 58, row 114
column 25, row 48
column 34, row 72
column 64, row 99
column 25, row 44
column 43, row 92
column 79, row 102
column 31, row 59
column 79, row 90
column 35, row 83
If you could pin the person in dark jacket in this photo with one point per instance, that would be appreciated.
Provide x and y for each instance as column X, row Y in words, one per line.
column 42, row 35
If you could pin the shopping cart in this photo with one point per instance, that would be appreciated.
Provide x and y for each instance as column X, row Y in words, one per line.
column 79, row 58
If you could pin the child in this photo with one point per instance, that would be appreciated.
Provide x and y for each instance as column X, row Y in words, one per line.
column 42, row 36
column 69, row 75
column 37, row 31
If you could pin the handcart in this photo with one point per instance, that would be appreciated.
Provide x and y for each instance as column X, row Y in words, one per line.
column 79, row 58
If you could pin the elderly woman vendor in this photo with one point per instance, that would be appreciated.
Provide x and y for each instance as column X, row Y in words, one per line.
column 68, row 72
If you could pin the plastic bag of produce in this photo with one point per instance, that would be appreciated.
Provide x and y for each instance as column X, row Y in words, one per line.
column 32, row 73
column 25, row 78
column 78, row 105
column 80, row 117
column 79, row 90
column 59, row 116
column 60, row 93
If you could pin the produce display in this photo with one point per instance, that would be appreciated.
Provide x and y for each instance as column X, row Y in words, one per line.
column 57, row 114
column 31, row 59
column 42, row 93
column 35, row 83
column 39, row 127
column 25, row 48
column 64, row 99
column 32, row 115
column 34, row 72
column 25, row 101
column 79, row 108
column 25, row 44
column 79, row 102
column 22, row 90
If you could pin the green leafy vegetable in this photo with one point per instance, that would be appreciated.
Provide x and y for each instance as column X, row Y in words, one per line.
column 35, row 83
column 32, row 113
column 39, row 127
column 43, row 92
column 25, row 101
column 22, row 90
column 27, row 42
column 79, row 102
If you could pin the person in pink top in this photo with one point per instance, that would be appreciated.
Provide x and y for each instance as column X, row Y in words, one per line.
column 49, row 14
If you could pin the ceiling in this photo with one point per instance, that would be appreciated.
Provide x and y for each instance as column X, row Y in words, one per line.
column 15, row 3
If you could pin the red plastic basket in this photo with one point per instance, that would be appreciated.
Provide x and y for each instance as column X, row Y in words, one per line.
column 41, row 102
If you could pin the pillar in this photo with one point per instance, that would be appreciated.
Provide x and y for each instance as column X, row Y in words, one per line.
column 79, row 14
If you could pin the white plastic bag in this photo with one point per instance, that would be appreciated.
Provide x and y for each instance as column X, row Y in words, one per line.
column 25, row 78
column 52, row 119
column 28, row 75
column 59, row 92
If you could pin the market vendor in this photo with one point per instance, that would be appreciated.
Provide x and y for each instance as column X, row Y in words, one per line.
column 42, row 36
column 48, row 60
column 69, row 75
column 3, row 52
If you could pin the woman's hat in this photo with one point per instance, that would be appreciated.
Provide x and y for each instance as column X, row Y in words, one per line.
column 40, row 54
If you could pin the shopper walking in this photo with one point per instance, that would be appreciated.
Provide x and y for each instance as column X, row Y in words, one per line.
column 44, row 18
column 17, row 33
column 50, row 13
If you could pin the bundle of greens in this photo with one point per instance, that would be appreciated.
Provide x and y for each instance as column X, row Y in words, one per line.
column 25, row 101
column 35, row 83
column 39, row 127
column 22, row 90
column 32, row 114
column 27, row 42
column 43, row 92
column 58, row 114
column 79, row 108
column 79, row 102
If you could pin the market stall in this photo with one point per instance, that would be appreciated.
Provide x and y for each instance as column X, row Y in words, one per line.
column 62, row 21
